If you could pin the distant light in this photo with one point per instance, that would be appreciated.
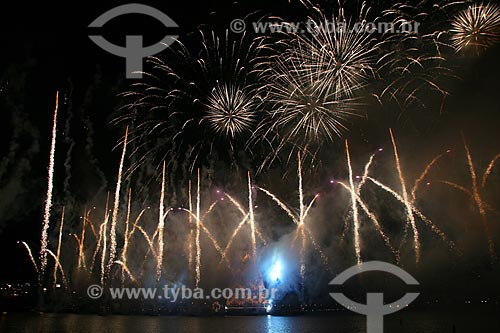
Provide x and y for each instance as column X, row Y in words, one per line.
column 58, row 285
column 448, row 151
column 332, row 181
column 381, row 149
column 275, row 273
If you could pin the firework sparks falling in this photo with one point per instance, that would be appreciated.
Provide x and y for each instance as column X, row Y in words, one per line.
column 191, row 229
column 251, row 217
column 30, row 254
column 103, row 235
column 59, row 241
column 476, row 27
column 246, row 216
column 161, row 225
column 59, row 267
column 81, row 253
column 299, row 219
column 354, row 207
column 197, row 236
column 406, row 200
column 48, row 200
column 355, row 193
column 479, row 201
column 475, row 194
column 126, row 237
column 116, row 206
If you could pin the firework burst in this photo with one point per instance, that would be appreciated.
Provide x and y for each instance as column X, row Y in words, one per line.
column 312, row 83
column 477, row 27
column 196, row 105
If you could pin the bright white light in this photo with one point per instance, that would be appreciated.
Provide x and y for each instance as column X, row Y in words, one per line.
column 275, row 273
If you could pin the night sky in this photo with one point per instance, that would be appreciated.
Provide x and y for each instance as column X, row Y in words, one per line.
column 45, row 48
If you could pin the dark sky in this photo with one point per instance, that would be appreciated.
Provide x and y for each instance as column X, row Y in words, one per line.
column 45, row 47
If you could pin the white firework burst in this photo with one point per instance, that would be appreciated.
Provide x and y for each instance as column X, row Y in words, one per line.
column 230, row 110
column 476, row 27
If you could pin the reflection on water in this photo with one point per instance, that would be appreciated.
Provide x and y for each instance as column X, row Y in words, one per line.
column 408, row 322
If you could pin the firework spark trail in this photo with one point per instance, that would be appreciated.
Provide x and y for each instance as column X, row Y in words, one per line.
column 76, row 239
column 251, row 217
column 396, row 195
column 208, row 233
column 126, row 270
column 316, row 246
column 59, row 266
column 97, row 248
column 48, row 200
column 103, row 236
column 354, row 207
column 280, row 204
column 161, row 225
column 246, row 216
column 302, row 260
column 191, row 229
column 489, row 169
column 261, row 236
column 126, row 238
column 479, row 201
column 296, row 219
column 422, row 176
column 197, row 236
column 58, row 252
column 102, row 230
column 306, row 211
column 104, row 249
column 373, row 218
column 366, row 170
column 233, row 236
column 30, row 255
column 91, row 225
column 301, row 190
column 81, row 254
column 406, row 201
column 299, row 220
column 149, row 241
column 116, row 207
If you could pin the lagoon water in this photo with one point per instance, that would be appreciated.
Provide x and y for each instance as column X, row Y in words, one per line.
column 410, row 322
